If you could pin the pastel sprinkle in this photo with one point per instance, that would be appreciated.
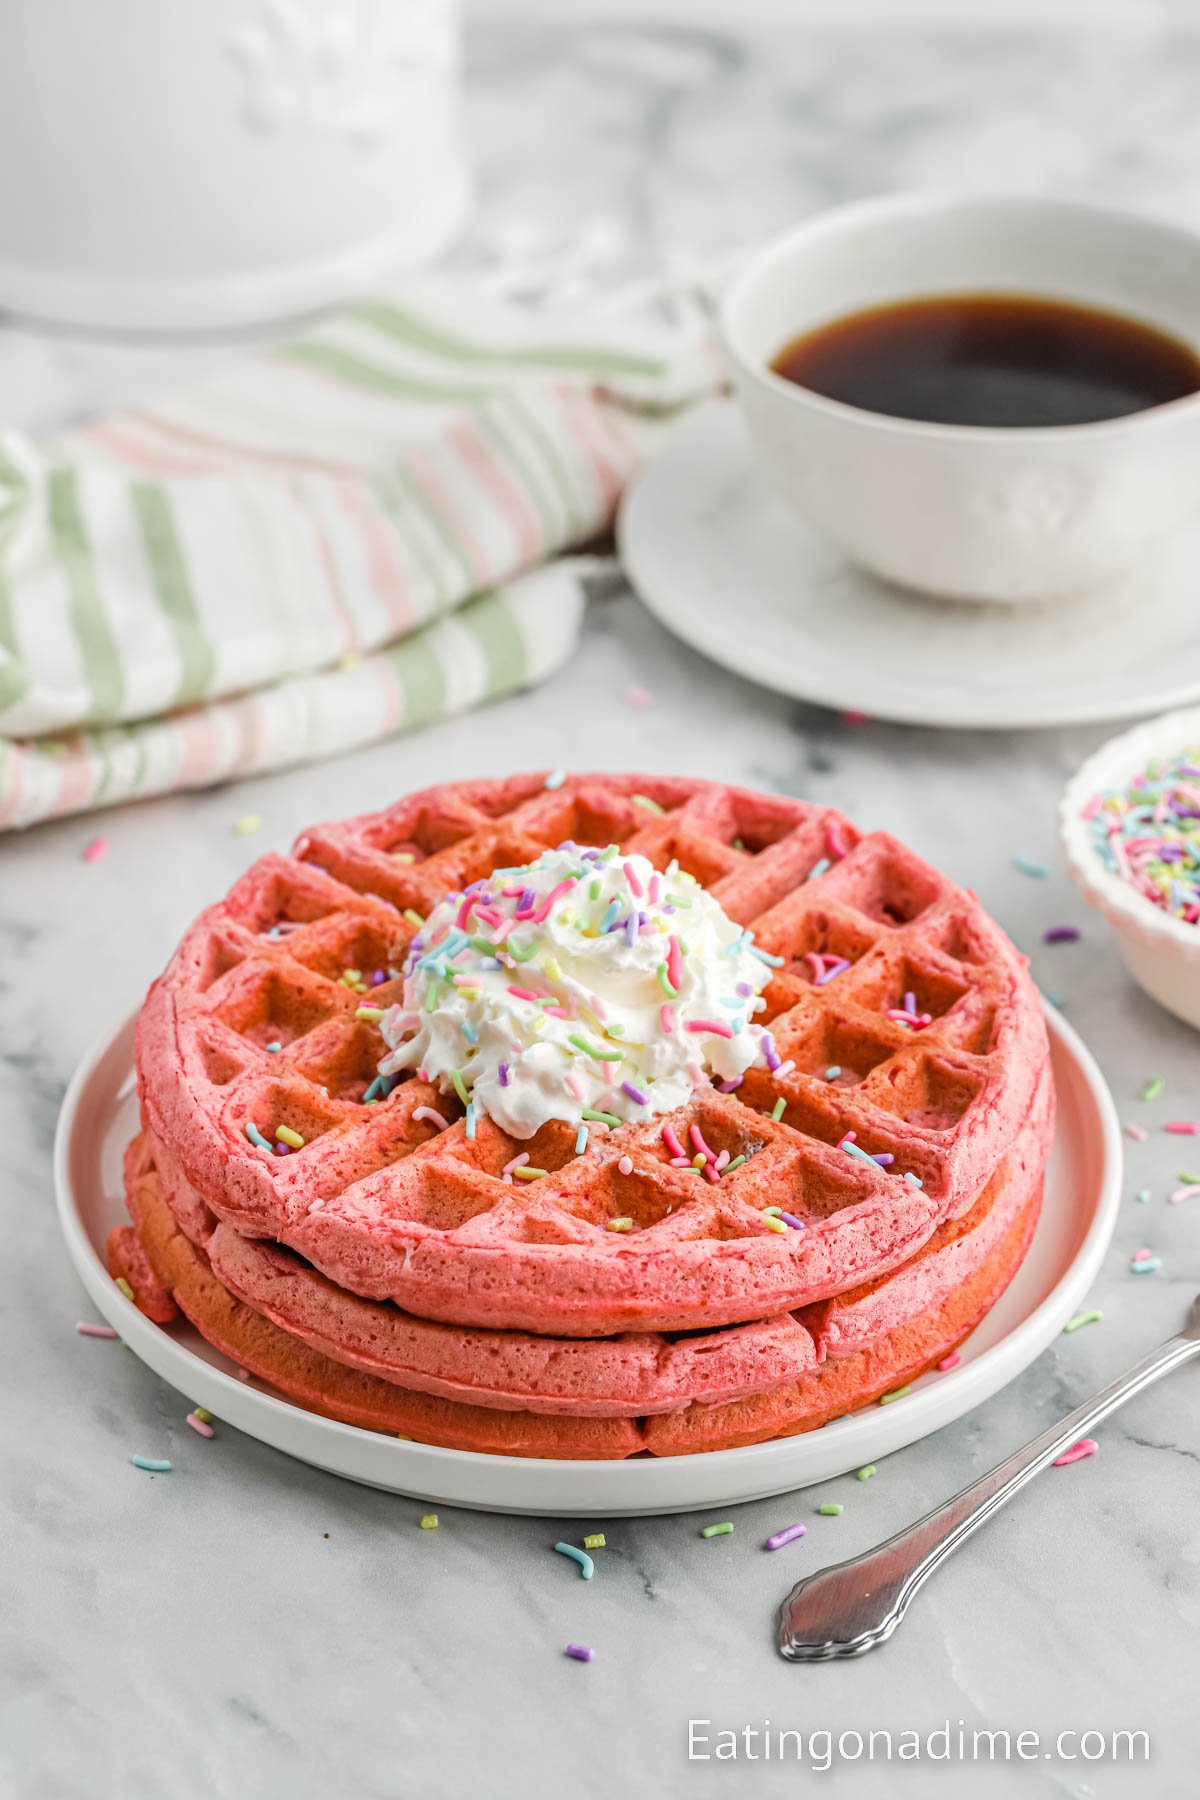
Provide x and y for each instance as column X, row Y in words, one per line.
column 248, row 824
column 95, row 850
column 587, row 1567
column 413, row 916
column 602, row 1118
column 646, row 803
column 1182, row 1127
column 1148, row 833
column 85, row 1328
column 469, row 1121
column 779, row 1108
column 1153, row 1088
column 510, row 1168
column 662, row 976
column 950, row 1362
column 1061, row 934
column 866, row 1472
column 1077, row 1452
column 1145, row 1264
column 1084, row 1318
column 833, row 1071
column 434, row 1117
column 1025, row 865
column 556, row 779
column 593, row 1050
column 273, row 1047
column 626, row 1165
column 622, row 1224
column 1142, row 1196
column 526, row 1172
column 460, row 1086
column 124, row 1286
column 818, row 869
column 581, row 1140
column 255, row 1135
column 1138, row 1133
column 1184, row 1193
column 712, row 1531
column 896, row 1394
column 291, row 1138
column 199, row 1425
column 154, row 1465
column 639, row 697
column 831, row 1509
column 581, row 1652
column 788, row 1535
column 429, row 1522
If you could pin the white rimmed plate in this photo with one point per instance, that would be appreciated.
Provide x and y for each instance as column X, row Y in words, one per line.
column 99, row 1115
column 726, row 565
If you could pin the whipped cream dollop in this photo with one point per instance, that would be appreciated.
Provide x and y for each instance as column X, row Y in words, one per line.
column 585, row 986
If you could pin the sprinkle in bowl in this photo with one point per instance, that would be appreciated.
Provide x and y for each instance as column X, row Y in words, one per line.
column 1161, row 947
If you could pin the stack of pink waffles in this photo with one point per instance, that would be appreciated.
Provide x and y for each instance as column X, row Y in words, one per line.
column 378, row 1266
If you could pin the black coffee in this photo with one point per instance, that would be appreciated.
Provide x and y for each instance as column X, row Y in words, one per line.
column 992, row 359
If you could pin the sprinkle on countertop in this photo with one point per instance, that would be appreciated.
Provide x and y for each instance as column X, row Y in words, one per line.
column 788, row 1535
column 587, row 1567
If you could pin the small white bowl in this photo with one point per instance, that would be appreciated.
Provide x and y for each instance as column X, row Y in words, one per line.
column 1160, row 951
column 962, row 511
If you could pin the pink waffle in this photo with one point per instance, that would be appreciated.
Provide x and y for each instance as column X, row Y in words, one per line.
column 391, row 1208
column 629, row 1374
column 880, row 1346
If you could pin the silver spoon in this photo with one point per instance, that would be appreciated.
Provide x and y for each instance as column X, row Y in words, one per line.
column 848, row 1609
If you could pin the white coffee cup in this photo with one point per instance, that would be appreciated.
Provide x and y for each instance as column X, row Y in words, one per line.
column 971, row 512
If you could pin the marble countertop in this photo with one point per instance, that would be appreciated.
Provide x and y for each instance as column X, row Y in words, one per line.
column 248, row 1626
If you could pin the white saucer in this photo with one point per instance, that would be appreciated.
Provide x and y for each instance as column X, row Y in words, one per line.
column 728, row 566
column 99, row 1115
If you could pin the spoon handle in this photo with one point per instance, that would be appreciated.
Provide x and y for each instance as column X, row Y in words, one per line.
column 853, row 1606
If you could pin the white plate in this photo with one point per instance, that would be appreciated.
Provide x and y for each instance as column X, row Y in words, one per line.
column 99, row 1116
column 729, row 567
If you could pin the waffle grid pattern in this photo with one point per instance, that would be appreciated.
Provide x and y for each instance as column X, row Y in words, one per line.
column 256, row 1020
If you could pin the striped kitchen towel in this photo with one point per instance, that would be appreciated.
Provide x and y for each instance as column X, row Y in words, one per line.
column 350, row 535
